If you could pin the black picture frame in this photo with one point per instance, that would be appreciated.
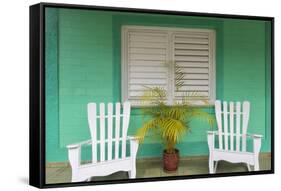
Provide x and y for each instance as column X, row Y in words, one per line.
column 37, row 93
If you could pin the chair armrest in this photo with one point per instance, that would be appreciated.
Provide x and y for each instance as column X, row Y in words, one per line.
column 255, row 136
column 79, row 144
column 248, row 135
column 89, row 142
column 212, row 132
column 133, row 138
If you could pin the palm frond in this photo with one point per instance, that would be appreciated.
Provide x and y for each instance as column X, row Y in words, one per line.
column 153, row 123
column 198, row 113
column 171, row 122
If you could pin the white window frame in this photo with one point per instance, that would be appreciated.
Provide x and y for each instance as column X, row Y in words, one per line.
column 171, row 32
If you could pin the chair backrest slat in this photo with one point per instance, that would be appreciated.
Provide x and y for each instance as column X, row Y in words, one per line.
column 126, row 117
column 238, row 114
column 102, row 132
column 117, row 129
column 219, row 121
column 245, row 120
column 92, row 120
column 230, row 118
column 231, row 124
column 225, row 125
column 109, row 130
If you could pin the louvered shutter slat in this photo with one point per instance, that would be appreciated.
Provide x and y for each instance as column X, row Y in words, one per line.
column 147, row 58
column 192, row 57
column 192, row 52
column 161, row 51
column 193, row 64
column 146, row 63
column 180, row 95
column 191, row 46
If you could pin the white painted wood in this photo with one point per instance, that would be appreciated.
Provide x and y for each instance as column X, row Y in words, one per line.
column 192, row 46
column 231, row 125
column 192, row 40
column 233, row 156
column 197, row 76
column 144, row 33
column 191, row 58
column 161, row 51
column 189, row 64
column 212, row 66
column 216, row 166
column 106, row 165
column 101, row 169
column 211, row 145
column 138, row 87
column 194, row 56
column 257, row 147
column 102, row 132
column 194, row 88
column 143, row 69
column 74, row 160
column 191, row 52
column 126, row 109
column 92, row 120
column 146, row 38
column 249, row 167
column 156, row 75
column 230, row 154
column 147, row 44
column 109, row 130
column 245, row 120
column 219, row 121
column 238, row 122
column 195, row 70
column 149, row 81
column 190, row 92
column 225, row 125
column 195, row 82
column 192, row 35
column 150, row 63
column 133, row 152
column 117, row 129
column 148, row 55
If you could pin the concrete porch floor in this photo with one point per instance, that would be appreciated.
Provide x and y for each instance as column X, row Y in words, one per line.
column 147, row 168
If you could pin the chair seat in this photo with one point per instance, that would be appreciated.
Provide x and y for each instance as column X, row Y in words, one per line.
column 234, row 156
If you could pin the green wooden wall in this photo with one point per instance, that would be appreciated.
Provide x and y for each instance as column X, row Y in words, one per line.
column 83, row 65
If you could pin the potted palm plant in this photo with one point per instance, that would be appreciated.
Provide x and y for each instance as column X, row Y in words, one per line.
column 172, row 121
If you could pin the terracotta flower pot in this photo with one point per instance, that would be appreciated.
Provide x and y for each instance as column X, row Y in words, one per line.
column 171, row 161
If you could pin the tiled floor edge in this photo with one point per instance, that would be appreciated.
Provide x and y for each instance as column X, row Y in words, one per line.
column 141, row 160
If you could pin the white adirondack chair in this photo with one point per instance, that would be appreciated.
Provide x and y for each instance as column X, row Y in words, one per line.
column 232, row 137
column 111, row 135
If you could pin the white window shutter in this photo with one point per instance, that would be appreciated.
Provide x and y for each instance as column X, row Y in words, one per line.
column 149, row 57
column 193, row 55
column 145, row 60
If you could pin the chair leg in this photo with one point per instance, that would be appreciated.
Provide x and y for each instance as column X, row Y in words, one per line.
column 249, row 168
column 132, row 173
column 257, row 147
column 216, row 165
column 74, row 177
column 211, row 166
column 211, row 139
column 256, row 165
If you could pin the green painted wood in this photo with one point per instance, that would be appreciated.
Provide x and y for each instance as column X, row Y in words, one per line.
column 84, row 66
